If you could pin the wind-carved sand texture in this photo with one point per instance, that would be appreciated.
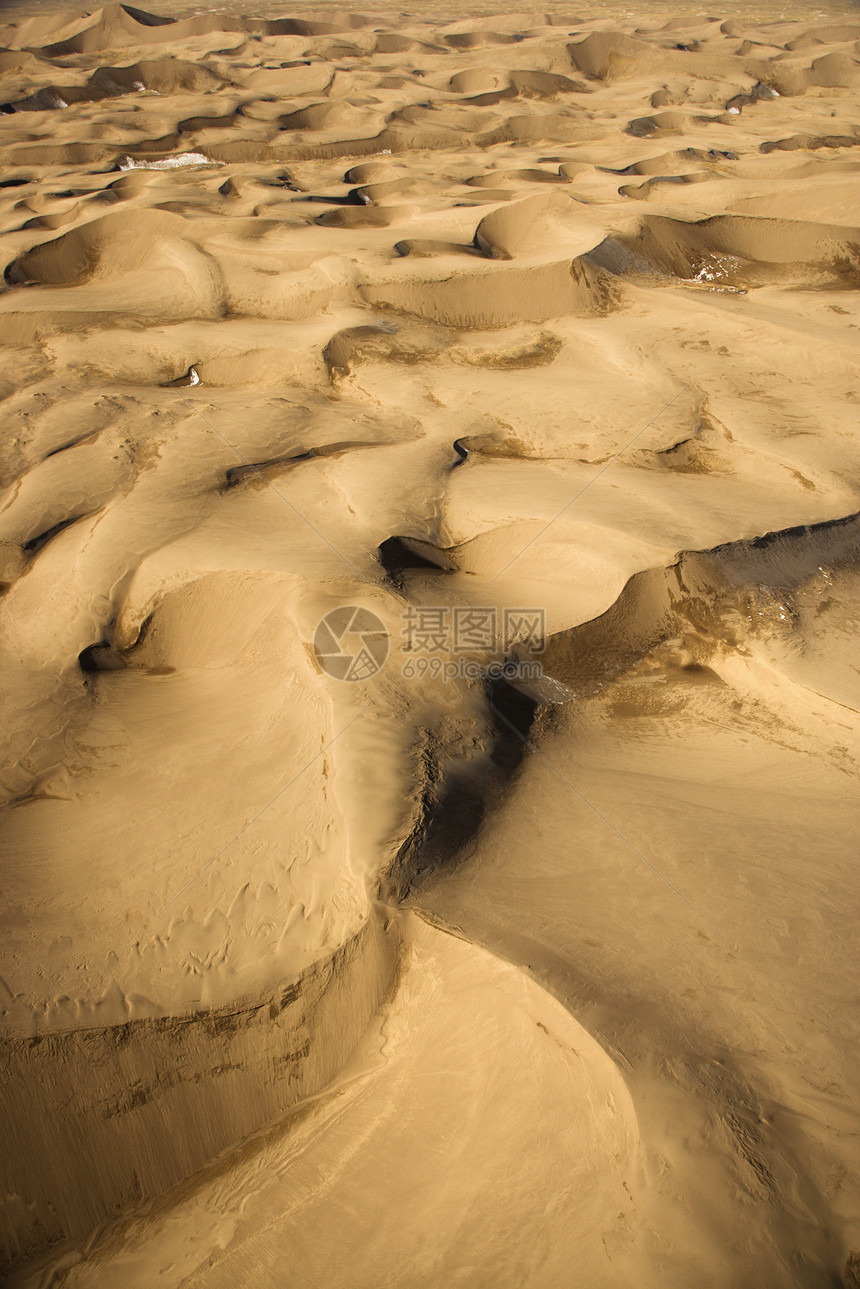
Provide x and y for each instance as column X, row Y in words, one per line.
column 440, row 977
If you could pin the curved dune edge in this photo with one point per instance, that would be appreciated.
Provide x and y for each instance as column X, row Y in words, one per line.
column 155, row 1100
column 707, row 605
column 469, row 1083
column 587, row 289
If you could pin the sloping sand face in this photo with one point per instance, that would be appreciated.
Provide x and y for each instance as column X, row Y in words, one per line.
column 471, row 1069
column 345, row 355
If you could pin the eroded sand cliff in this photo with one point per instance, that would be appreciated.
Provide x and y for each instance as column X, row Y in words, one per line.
column 429, row 976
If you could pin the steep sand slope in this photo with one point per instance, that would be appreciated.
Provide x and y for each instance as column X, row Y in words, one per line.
column 471, row 1069
column 424, row 315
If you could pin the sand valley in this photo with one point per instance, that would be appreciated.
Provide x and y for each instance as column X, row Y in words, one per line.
column 430, row 563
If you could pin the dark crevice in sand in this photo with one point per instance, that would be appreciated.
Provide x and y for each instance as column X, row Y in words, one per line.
column 37, row 543
column 220, row 269
column 456, row 794
column 239, row 474
column 100, row 657
column 397, row 554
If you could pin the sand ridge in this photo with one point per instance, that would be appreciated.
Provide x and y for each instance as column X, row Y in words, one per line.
column 423, row 313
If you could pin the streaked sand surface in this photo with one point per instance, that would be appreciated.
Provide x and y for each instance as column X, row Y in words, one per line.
column 429, row 979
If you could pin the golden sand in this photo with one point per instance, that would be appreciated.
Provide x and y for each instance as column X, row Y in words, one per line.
column 430, row 591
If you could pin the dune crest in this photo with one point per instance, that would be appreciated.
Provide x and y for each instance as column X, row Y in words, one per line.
column 429, row 573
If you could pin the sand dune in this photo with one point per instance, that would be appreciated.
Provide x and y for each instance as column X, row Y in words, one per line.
column 426, row 1071
column 335, row 958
